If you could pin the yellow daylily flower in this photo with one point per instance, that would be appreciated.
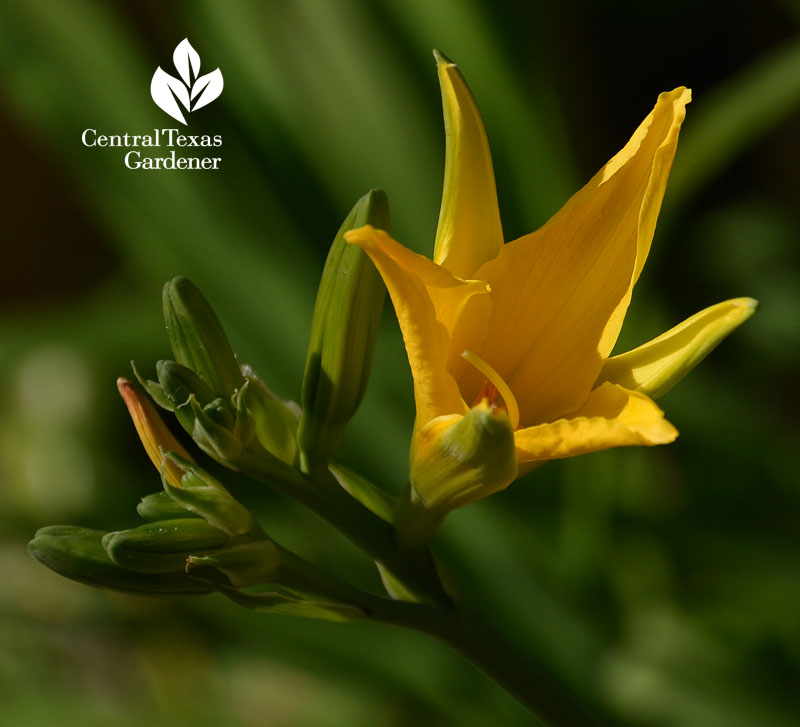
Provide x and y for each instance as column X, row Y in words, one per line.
column 527, row 327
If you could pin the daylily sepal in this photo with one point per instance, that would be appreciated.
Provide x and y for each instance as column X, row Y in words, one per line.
column 655, row 367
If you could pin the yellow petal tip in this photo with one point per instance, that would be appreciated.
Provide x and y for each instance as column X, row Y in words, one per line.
column 751, row 303
column 441, row 58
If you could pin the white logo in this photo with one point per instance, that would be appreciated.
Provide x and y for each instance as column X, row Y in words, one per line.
column 193, row 91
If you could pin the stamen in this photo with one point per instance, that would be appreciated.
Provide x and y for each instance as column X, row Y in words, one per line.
column 488, row 391
column 499, row 385
column 489, row 394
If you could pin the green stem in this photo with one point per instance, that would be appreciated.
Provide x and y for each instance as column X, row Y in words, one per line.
column 296, row 572
column 507, row 664
column 325, row 497
column 414, row 522
column 501, row 659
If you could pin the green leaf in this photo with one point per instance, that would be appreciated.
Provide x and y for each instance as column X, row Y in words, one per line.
column 367, row 493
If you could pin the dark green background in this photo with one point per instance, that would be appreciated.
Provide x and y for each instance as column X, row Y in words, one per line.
column 665, row 580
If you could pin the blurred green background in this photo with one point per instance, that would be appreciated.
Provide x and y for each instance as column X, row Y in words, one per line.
column 666, row 581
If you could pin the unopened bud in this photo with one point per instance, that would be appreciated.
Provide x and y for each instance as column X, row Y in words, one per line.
column 152, row 431
column 160, row 506
column 200, row 493
column 153, row 388
column 343, row 332
column 163, row 546
column 78, row 554
column 179, row 383
column 455, row 460
column 197, row 339
column 214, row 438
column 240, row 566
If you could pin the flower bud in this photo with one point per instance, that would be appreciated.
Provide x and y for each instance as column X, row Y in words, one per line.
column 78, row 554
column 343, row 332
column 455, row 460
column 152, row 431
column 200, row 493
column 163, row 546
column 160, row 506
column 197, row 339
column 154, row 388
column 212, row 432
column 178, row 383
column 655, row 367
column 240, row 566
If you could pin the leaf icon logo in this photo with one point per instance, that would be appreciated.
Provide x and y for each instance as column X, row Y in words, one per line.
column 191, row 90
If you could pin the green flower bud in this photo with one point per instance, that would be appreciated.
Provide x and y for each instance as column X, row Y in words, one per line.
column 197, row 339
column 154, row 389
column 200, row 493
column 215, row 439
column 179, row 383
column 162, row 546
column 78, row 554
column 455, row 460
column 343, row 332
column 240, row 566
column 160, row 506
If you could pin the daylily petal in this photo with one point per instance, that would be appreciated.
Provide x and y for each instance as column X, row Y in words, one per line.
column 666, row 120
column 655, row 367
column 611, row 417
column 427, row 300
column 469, row 232
column 559, row 294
